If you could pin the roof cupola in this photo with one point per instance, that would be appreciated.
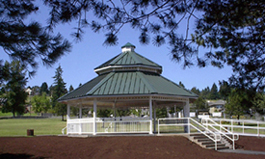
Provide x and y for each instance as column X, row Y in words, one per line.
column 128, row 47
column 128, row 60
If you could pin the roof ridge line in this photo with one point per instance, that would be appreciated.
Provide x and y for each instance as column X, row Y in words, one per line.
column 157, row 65
column 118, row 58
column 100, row 83
column 134, row 57
column 149, row 86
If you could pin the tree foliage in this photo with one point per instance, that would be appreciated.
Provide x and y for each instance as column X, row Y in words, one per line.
column 44, row 88
column 71, row 88
column 205, row 92
column 237, row 103
column 136, row 112
column 201, row 104
column 214, row 92
column 225, row 90
column 259, row 103
column 123, row 112
column 181, row 85
column 35, row 90
column 195, row 90
column 41, row 103
column 59, row 90
column 13, row 90
column 104, row 112
column 28, row 42
column 231, row 31
column 161, row 112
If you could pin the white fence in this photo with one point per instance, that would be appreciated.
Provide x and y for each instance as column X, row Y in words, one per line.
column 108, row 125
column 243, row 127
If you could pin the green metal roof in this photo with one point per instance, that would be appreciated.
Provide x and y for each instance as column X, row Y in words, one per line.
column 128, row 74
column 129, row 58
column 128, row 83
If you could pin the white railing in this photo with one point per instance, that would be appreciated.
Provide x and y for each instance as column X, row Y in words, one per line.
column 63, row 130
column 211, row 124
column 80, row 126
column 243, row 127
column 187, row 124
column 140, row 126
column 108, row 125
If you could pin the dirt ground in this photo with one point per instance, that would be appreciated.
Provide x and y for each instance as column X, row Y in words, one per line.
column 132, row 147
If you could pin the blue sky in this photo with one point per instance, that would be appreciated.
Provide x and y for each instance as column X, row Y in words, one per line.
column 78, row 66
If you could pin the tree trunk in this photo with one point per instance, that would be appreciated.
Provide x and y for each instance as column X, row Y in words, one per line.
column 238, row 116
column 14, row 113
column 62, row 118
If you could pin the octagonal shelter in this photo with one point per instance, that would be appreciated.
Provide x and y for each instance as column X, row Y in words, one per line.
column 128, row 80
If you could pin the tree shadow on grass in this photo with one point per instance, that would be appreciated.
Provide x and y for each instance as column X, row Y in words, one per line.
column 19, row 156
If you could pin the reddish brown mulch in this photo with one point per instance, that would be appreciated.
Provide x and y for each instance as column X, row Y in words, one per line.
column 251, row 143
column 116, row 147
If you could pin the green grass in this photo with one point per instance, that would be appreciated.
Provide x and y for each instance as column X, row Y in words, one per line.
column 11, row 115
column 18, row 127
column 5, row 114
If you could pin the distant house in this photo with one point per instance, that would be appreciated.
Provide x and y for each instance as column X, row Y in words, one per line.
column 216, row 107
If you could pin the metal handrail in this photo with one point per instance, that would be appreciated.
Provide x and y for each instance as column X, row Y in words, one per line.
column 233, row 139
column 217, row 137
column 63, row 130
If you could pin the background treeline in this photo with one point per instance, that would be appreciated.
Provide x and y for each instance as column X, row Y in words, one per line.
column 15, row 97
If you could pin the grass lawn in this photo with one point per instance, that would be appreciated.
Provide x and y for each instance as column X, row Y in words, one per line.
column 11, row 115
column 5, row 114
column 18, row 127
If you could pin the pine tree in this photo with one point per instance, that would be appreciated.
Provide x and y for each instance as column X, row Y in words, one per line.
column 195, row 90
column 205, row 92
column 181, row 84
column 59, row 90
column 235, row 103
column 44, row 88
column 13, row 91
column 28, row 42
column 225, row 90
column 71, row 88
column 214, row 92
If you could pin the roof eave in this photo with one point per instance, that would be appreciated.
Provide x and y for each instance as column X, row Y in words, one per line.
column 154, row 94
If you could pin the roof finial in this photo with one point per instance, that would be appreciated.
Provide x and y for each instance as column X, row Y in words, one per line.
column 128, row 47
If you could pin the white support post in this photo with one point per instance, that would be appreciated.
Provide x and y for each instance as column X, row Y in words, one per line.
column 68, row 111
column 186, row 112
column 175, row 111
column 80, row 116
column 154, row 120
column 94, row 117
column 150, row 114
column 187, row 109
column 80, row 111
column 114, row 109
